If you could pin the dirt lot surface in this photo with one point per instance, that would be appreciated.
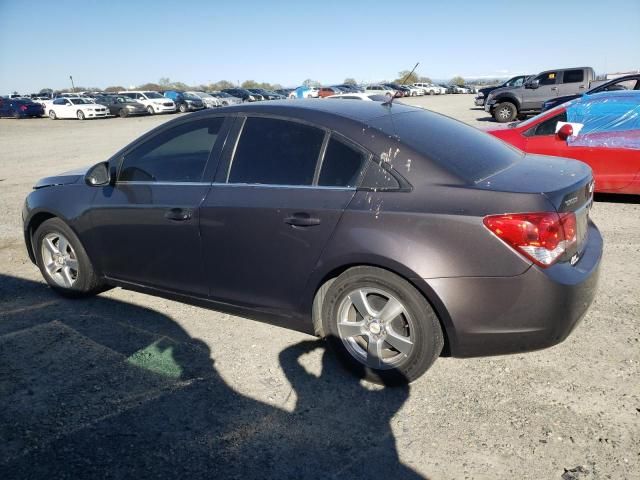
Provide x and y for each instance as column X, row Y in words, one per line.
column 127, row 385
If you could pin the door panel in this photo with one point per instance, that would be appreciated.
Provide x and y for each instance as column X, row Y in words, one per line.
column 144, row 238
column 533, row 98
column 261, row 243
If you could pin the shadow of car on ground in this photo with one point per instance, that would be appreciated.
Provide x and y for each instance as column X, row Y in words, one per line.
column 99, row 388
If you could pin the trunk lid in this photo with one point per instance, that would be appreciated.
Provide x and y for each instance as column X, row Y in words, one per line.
column 567, row 184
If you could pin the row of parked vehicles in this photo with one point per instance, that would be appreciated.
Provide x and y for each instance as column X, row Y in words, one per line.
column 526, row 95
column 88, row 105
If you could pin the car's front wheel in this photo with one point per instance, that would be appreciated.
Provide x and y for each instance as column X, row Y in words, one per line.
column 381, row 325
column 63, row 260
column 123, row 113
column 80, row 115
column 52, row 115
column 505, row 112
column 150, row 110
column 183, row 108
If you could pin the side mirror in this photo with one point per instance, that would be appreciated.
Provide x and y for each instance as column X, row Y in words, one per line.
column 532, row 84
column 98, row 175
column 565, row 132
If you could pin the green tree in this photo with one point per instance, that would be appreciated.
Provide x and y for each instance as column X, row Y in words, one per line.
column 220, row 85
column 425, row 80
column 151, row 86
column 350, row 81
column 404, row 76
column 164, row 81
column 457, row 80
column 178, row 86
column 114, row 89
column 47, row 91
column 311, row 83
column 250, row 84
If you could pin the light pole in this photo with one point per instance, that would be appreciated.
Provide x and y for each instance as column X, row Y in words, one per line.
column 73, row 88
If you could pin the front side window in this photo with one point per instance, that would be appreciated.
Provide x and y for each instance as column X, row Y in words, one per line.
column 276, row 152
column 342, row 165
column 548, row 78
column 176, row 155
column 573, row 76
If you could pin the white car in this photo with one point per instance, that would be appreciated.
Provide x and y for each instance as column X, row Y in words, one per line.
column 154, row 102
column 209, row 100
column 74, row 107
column 430, row 88
column 368, row 97
column 379, row 90
column 415, row 91
column 459, row 89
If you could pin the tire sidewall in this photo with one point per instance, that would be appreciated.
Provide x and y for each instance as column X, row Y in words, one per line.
column 86, row 278
column 502, row 105
column 428, row 338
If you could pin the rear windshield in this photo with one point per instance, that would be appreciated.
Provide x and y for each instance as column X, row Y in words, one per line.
column 463, row 150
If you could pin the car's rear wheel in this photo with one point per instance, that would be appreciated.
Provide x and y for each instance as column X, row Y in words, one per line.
column 63, row 260
column 80, row 115
column 380, row 325
column 505, row 112
column 52, row 115
column 123, row 113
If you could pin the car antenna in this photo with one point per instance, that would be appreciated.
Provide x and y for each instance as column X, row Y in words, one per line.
column 390, row 101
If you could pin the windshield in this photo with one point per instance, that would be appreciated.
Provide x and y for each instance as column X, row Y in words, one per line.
column 222, row 95
column 79, row 101
column 152, row 95
column 190, row 96
column 200, row 94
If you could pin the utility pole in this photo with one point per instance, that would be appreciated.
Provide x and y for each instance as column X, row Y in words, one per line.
column 73, row 88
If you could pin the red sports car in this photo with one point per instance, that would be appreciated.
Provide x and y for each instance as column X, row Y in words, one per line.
column 601, row 130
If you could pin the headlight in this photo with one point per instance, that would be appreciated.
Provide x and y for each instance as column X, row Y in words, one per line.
column 480, row 94
column 251, row 97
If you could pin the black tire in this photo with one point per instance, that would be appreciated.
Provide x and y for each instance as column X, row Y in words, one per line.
column 183, row 108
column 123, row 113
column 150, row 110
column 87, row 281
column 80, row 115
column 426, row 333
column 52, row 115
column 505, row 112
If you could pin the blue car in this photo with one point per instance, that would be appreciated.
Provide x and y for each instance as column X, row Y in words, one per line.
column 20, row 108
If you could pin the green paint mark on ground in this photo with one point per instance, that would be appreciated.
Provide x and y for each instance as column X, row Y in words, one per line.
column 157, row 360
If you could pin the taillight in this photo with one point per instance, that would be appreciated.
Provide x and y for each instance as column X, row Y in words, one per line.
column 541, row 237
column 23, row 107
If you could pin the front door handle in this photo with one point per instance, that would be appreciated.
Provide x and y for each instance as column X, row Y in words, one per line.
column 179, row 214
column 302, row 220
column 554, row 88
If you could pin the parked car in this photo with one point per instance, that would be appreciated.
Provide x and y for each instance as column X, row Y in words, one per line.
column 305, row 92
column 379, row 90
column 414, row 91
column 430, row 88
column 458, row 89
column 401, row 90
column 20, row 108
column 369, row 97
column 507, row 103
column 209, row 100
column 185, row 102
column 121, row 106
column 328, row 91
column 348, row 88
column 80, row 108
column 515, row 82
column 601, row 130
column 243, row 94
column 266, row 94
column 382, row 229
column 154, row 102
column 627, row 82
column 285, row 91
column 225, row 98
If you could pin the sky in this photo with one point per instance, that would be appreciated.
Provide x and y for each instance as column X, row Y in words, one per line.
column 127, row 43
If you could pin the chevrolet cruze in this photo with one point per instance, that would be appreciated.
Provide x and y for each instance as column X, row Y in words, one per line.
column 398, row 234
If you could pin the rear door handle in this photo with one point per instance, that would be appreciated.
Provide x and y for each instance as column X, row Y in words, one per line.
column 302, row 220
column 179, row 214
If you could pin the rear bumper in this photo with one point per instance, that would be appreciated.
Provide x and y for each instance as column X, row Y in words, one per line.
column 534, row 310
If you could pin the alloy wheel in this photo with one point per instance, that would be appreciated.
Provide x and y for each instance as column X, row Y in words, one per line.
column 376, row 328
column 59, row 259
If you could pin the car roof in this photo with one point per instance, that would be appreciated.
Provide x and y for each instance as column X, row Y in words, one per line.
column 359, row 111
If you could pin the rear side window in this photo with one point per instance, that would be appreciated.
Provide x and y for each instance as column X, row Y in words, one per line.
column 176, row 155
column 276, row 152
column 573, row 76
column 342, row 165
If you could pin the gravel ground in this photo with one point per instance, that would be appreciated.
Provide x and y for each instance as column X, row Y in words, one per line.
column 126, row 385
